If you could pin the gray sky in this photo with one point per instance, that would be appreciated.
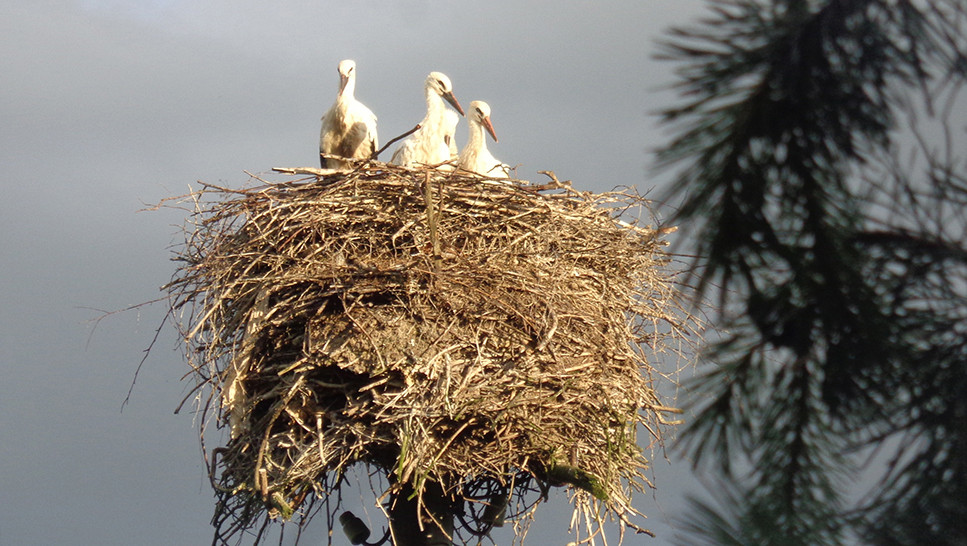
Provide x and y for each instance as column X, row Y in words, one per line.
column 108, row 105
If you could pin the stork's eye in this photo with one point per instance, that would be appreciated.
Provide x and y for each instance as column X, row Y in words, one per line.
column 479, row 112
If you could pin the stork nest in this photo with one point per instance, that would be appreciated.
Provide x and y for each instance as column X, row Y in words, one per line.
column 471, row 333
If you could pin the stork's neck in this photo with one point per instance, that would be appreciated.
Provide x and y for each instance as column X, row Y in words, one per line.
column 476, row 139
column 434, row 105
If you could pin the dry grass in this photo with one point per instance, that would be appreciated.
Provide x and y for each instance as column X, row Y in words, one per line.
column 474, row 333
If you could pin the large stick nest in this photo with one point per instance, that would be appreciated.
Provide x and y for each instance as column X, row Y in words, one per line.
column 442, row 328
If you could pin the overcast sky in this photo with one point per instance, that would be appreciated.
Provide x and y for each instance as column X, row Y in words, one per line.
column 109, row 105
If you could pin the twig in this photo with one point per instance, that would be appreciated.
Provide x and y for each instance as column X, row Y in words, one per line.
column 390, row 143
column 554, row 184
column 432, row 217
column 306, row 170
column 330, row 172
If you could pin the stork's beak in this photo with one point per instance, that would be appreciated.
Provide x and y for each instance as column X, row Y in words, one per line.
column 489, row 127
column 343, row 80
column 448, row 96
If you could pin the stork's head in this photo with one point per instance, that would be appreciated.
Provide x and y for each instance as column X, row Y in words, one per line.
column 347, row 72
column 439, row 83
column 480, row 114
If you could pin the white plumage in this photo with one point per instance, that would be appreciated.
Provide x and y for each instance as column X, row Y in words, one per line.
column 430, row 144
column 450, row 131
column 475, row 157
column 349, row 127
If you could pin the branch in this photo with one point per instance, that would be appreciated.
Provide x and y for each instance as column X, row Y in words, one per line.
column 328, row 172
column 306, row 170
column 390, row 143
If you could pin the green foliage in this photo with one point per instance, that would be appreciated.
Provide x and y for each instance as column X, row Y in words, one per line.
column 842, row 291
column 740, row 517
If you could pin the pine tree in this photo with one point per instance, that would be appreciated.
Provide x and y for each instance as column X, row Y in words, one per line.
column 838, row 268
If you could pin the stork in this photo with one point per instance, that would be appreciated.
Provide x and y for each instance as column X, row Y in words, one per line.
column 429, row 145
column 475, row 157
column 349, row 127
column 450, row 132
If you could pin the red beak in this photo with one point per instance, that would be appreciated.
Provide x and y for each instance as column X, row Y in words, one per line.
column 343, row 80
column 489, row 127
column 448, row 96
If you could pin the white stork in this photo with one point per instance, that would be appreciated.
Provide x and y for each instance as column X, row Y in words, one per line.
column 450, row 132
column 429, row 145
column 475, row 157
column 349, row 127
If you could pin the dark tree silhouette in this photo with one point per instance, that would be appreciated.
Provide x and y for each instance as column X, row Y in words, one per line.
column 820, row 164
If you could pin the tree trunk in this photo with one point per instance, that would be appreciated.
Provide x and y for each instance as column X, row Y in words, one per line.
column 405, row 524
